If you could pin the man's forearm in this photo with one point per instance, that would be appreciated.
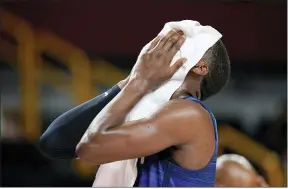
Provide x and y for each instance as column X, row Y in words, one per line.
column 62, row 136
column 115, row 113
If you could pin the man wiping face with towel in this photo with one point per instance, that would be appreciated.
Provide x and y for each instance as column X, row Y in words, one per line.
column 179, row 141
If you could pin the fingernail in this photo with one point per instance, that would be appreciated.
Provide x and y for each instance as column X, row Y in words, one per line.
column 161, row 35
column 184, row 60
column 180, row 32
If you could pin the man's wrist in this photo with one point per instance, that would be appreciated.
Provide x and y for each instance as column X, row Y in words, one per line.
column 121, row 84
column 137, row 86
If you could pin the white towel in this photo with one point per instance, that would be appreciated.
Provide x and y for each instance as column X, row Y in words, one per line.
column 198, row 40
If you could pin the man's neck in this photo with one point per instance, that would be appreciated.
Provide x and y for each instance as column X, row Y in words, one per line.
column 185, row 93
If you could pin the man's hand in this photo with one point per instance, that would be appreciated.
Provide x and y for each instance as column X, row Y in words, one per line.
column 153, row 68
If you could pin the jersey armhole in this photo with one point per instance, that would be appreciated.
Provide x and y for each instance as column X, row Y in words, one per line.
column 210, row 113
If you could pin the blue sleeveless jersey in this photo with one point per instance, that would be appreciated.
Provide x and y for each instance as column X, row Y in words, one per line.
column 160, row 170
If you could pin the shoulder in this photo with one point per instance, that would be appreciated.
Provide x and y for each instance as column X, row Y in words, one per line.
column 184, row 118
column 184, row 109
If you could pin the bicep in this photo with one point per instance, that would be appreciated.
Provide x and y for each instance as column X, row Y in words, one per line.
column 131, row 140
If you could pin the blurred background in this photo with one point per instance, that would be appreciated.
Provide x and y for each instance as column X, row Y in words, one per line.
column 59, row 53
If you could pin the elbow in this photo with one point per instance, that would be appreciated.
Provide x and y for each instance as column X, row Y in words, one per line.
column 90, row 153
column 49, row 146
column 82, row 151
column 45, row 146
column 55, row 143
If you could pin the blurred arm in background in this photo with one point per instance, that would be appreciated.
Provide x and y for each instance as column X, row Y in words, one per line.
column 60, row 139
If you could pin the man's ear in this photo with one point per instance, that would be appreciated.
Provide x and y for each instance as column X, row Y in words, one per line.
column 201, row 68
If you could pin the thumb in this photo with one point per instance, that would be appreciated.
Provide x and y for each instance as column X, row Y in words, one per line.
column 178, row 64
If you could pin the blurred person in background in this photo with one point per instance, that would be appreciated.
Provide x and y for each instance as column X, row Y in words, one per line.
column 236, row 171
column 151, row 135
column 10, row 128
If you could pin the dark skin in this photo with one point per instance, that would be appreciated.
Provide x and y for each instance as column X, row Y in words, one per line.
column 182, row 124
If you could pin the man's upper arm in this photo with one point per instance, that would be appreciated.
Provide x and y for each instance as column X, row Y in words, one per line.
column 174, row 124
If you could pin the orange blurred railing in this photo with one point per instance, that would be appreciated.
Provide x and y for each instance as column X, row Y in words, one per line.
column 33, row 71
column 29, row 90
column 74, row 58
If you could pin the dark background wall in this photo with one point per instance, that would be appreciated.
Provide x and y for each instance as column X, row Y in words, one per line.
column 251, row 30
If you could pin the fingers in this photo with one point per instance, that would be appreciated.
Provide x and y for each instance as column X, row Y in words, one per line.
column 164, row 40
column 176, row 46
column 171, row 41
column 154, row 43
column 177, row 65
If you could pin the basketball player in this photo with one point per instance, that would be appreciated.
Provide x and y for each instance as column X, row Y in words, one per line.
column 235, row 171
column 180, row 141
